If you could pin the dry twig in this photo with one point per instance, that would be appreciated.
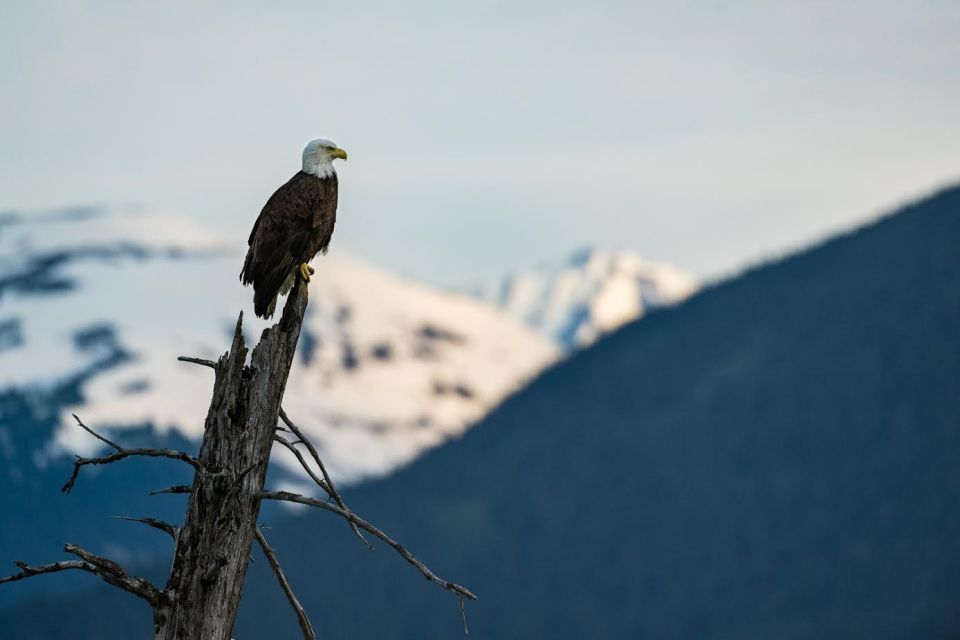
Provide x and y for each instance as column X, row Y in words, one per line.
column 152, row 522
column 303, row 463
column 120, row 453
column 180, row 488
column 107, row 570
column 330, row 488
column 268, row 551
column 200, row 361
column 286, row 496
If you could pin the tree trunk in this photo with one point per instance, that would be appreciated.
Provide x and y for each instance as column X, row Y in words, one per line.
column 213, row 545
column 202, row 595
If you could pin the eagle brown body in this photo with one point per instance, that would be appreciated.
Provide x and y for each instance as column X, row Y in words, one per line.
column 294, row 226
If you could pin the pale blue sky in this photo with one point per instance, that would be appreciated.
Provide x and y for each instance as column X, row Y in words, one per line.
column 490, row 135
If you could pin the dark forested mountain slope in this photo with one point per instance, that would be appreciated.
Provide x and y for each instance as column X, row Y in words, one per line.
column 776, row 458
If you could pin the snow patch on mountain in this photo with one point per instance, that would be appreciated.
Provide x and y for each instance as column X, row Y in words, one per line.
column 385, row 368
column 590, row 294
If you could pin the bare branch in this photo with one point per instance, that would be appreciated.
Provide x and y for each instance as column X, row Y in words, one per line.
column 94, row 433
column 180, row 488
column 305, row 625
column 27, row 571
column 286, row 496
column 152, row 522
column 107, row 570
column 113, row 574
column 126, row 453
column 200, row 361
column 122, row 453
column 289, row 445
column 331, row 488
column 313, row 453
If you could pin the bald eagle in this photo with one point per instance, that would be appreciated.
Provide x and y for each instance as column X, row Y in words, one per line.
column 295, row 225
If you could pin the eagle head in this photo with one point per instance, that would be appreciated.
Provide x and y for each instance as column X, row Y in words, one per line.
column 318, row 157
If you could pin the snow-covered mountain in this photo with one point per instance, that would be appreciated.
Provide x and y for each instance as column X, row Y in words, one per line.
column 590, row 294
column 386, row 367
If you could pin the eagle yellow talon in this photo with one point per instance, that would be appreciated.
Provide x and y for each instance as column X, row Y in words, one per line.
column 305, row 271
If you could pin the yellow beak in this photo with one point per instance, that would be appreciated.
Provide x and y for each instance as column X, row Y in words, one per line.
column 338, row 153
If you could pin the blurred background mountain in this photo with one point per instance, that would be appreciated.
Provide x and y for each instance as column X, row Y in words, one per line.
column 96, row 304
column 591, row 293
column 776, row 457
column 571, row 344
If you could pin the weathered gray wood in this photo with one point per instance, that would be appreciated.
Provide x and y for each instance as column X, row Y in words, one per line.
column 213, row 545
column 202, row 595
column 271, row 556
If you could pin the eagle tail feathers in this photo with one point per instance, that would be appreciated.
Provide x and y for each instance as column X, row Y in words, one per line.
column 265, row 295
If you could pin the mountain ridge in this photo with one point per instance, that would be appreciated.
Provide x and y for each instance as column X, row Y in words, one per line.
column 774, row 457
column 694, row 475
column 591, row 293
column 64, row 280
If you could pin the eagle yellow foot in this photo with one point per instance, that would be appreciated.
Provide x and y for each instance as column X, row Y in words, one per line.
column 306, row 271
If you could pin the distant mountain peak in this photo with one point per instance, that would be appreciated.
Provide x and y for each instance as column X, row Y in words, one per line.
column 590, row 293
column 386, row 367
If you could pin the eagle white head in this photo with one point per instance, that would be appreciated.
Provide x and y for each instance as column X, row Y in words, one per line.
column 318, row 157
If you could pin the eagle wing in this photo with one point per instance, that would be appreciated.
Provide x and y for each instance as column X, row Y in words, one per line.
column 281, row 239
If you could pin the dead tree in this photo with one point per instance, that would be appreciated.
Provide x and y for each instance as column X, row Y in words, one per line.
column 202, row 594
